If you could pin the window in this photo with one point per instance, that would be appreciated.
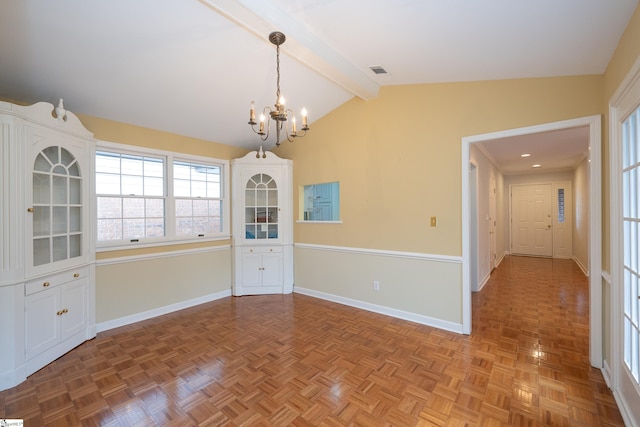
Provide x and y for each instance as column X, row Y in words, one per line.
column 560, row 205
column 197, row 190
column 152, row 197
column 321, row 202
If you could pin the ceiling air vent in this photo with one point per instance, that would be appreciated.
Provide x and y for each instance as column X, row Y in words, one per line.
column 378, row 69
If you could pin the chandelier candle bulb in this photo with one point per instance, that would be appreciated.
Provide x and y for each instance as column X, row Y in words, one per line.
column 304, row 118
column 252, row 113
column 293, row 125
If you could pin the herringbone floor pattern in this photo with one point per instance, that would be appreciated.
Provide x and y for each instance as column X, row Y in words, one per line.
column 295, row 360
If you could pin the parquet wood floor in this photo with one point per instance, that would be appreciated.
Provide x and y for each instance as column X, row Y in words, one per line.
column 295, row 360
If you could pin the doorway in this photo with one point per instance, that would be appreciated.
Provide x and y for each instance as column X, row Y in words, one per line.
column 595, row 284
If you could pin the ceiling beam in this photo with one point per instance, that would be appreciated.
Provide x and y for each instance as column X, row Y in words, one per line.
column 262, row 18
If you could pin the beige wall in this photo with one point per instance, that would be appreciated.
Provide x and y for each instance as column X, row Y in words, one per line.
column 397, row 157
column 133, row 286
column 626, row 54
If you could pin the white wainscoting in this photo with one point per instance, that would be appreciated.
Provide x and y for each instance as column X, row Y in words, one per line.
column 134, row 288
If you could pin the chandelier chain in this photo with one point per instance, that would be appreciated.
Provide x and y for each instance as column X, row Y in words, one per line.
column 278, row 74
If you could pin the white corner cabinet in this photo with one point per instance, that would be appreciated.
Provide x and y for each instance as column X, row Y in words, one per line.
column 262, row 224
column 47, row 269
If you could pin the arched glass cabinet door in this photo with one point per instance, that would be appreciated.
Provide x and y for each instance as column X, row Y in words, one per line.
column 261, row 208
column 57, row 206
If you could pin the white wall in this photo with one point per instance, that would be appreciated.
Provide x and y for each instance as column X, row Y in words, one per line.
column 486, row 169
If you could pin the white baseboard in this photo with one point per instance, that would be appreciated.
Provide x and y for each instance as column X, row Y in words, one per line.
column 138, row 317
column 606, row 372
column 484, row 282
column 399, row 314
column 584, row 269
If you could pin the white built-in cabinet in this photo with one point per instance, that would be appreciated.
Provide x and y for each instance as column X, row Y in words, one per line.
column 47, row 271
column 262, row 224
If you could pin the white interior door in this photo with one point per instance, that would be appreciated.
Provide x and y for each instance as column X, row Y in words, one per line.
column 531, row 230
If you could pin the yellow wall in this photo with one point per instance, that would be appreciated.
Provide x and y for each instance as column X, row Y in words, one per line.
column 398, row 157
column 627, row 52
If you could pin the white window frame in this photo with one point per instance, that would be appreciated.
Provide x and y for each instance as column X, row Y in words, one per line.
column 170, row 231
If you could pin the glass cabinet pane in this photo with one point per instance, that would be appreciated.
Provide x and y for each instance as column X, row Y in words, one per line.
column 51, row 153
column 66, row 158
column 60, row 220
column 41, row 221
column 272, row 215
column 250, row 198
column 273, row 231
column 41, row 251
column 75, row 219
column 74, row 170
column 75, row 186
column 60, row 190
column 273, row 197
column 249, row 215
column 41, row 188
column 261, row 197
column 59, row 248
column 42, row 164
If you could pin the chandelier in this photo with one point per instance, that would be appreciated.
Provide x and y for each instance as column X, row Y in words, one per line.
column 279, row 114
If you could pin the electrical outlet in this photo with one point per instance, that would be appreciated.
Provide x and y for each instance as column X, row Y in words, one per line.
column 376, row 285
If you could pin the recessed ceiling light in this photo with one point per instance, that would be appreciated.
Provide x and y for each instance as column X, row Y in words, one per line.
column 525, row 155
column 536, row 166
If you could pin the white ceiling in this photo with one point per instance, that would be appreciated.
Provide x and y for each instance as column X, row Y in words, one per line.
column 555, row 151
column 193, row 67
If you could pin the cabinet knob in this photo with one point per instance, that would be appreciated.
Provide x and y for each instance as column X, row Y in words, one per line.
column 45, row 284
column 76, row 275
column 30, row 210
column 59, row 313
column 250, row 250
column 65, row 311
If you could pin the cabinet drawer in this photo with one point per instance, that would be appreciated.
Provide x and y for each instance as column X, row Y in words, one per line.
column 262, row 250
column 53, row 280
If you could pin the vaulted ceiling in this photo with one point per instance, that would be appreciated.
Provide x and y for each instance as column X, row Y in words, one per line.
column 193, row 67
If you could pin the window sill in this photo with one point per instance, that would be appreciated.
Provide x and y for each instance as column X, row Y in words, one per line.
column 302, row 221
column 157, row 243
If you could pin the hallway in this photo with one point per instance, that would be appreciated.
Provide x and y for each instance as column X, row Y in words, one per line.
column 533, row 317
